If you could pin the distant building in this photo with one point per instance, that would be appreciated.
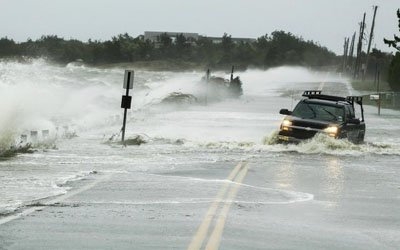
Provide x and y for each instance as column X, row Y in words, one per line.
column 234, row 39
column 154, row 36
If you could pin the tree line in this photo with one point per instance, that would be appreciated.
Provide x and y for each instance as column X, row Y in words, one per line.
column 270, row 50
column 278, row 48
column 394, row 68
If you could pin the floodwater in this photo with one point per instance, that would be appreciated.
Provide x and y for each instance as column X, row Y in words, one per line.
column 188, row 138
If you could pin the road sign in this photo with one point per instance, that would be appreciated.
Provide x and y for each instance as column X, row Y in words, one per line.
column 128, row 79
column 126, row 99
column 126, row 102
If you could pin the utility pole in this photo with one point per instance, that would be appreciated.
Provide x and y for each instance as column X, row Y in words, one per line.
column 351, row 51
column 207, row 80
column 376, row 78
column 379, row 94
column 359, row 48
column 345, row 51
column 371, row 34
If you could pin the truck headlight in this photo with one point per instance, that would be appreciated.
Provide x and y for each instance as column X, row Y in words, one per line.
column 286, row 124
column 331, row 131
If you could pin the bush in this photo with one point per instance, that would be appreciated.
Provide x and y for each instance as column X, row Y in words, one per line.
column 394, row 73
column 281, row 48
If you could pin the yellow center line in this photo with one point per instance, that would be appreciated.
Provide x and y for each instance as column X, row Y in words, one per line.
column 198, row 238
column 201, row 233
column 215, row 238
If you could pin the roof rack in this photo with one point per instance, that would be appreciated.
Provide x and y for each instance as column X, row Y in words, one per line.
column 308, row 93
column 355, row 99
column 316, row 94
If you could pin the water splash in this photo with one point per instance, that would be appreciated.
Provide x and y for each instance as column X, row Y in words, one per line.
column 323, row 144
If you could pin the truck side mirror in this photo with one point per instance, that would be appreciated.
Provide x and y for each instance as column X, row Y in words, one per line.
column 285, row 112
column 353, row 121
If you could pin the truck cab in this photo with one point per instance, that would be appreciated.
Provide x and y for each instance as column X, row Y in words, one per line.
column 317, row 113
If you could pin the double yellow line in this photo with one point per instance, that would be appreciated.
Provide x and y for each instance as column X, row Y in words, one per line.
column 227, row 192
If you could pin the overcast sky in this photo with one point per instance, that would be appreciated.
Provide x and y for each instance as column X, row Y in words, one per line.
column 324, row 21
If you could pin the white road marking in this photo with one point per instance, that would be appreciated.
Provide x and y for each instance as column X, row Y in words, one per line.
column 215, row 238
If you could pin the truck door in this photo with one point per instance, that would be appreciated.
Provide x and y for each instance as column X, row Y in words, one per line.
column 353, row 130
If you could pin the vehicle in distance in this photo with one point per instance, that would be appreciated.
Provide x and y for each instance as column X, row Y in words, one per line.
column 317, row 113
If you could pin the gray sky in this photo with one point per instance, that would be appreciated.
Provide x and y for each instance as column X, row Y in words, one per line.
column 324, row 21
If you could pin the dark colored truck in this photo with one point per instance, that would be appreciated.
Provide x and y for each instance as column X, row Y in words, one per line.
column 318, row 113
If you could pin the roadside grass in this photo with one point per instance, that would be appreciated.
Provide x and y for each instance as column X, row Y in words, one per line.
column 389, row 98
column 371, row 86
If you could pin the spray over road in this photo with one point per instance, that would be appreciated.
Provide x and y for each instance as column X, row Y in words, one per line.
column 207, row 176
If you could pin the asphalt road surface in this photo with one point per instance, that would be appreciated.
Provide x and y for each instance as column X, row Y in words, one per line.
column 209, row 177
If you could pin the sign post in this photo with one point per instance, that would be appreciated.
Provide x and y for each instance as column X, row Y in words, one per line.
column 207, row 80
column 126, row 99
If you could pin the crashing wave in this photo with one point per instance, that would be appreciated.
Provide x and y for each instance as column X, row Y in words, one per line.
column 179, row 98
column 218, row 88
column 14, row 150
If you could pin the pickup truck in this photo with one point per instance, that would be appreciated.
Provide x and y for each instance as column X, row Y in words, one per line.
column 318, row 113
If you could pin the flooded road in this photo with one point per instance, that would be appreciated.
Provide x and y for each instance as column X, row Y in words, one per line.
column 210, row 175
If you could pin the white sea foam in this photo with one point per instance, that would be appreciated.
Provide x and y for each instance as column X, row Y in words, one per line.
column 31, row 190
column 37, row 95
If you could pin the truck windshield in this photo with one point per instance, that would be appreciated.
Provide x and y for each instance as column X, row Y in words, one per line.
column 318, row 111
